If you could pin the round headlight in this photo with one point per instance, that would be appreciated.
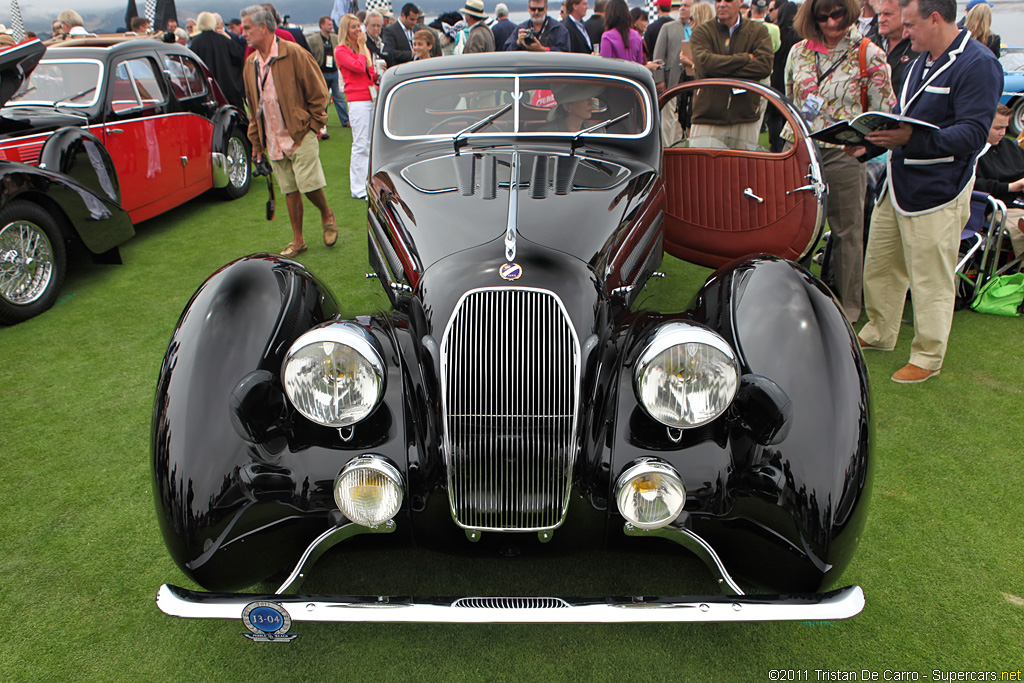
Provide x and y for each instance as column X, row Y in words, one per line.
column 687, row 376
column 650, row 494
column 368, row 491
column 334, row 375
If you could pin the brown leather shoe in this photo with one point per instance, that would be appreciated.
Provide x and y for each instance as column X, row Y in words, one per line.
column 293, row 250
column 864, row 346
column 330, row 231
column 911, row 374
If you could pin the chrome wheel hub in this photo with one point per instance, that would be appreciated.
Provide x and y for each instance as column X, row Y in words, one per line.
column 238, row 163
column 26, row 262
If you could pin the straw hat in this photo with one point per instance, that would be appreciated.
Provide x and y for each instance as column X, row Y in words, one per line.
column 474, row 8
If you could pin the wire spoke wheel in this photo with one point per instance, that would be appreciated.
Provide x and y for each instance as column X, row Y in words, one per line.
column 26, row 262
column 32, row 261
column 239, row 166
column 238, row 163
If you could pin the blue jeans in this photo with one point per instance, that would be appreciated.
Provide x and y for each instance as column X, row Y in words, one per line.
column 334, row 85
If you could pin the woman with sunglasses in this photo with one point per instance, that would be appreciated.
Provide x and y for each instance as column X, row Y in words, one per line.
column 835, row 74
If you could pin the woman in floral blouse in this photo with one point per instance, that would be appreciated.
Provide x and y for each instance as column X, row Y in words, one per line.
column 830, row 78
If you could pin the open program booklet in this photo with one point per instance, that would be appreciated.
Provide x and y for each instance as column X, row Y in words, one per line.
column 852, row 132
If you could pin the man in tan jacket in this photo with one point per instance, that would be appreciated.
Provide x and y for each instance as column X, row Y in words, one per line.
column 287, row 97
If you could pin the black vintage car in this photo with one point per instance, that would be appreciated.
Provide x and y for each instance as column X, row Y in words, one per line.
column 97, row 134
column 517, row 206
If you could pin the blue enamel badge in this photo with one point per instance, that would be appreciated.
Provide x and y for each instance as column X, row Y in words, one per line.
column 510, row 271
column 268, row 622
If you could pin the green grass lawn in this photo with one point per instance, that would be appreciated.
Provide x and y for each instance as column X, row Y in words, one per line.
column 81, row 557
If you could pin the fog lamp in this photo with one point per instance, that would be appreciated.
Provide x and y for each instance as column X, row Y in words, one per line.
column 650, row 494
column 369, row 491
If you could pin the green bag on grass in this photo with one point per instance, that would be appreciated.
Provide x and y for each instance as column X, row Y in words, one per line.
column 1003, row 295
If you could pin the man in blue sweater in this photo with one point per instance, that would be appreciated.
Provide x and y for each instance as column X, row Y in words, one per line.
column 955, row 84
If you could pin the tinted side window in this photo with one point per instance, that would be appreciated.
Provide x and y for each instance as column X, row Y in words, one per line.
column 135, row 85
column 185, row 76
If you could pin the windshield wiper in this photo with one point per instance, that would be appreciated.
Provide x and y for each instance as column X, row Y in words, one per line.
column 576, row 138
column 17, row 96
column 73, row 97
column 474, row 127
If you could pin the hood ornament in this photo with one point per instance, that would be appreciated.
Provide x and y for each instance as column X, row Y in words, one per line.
column 513, row 210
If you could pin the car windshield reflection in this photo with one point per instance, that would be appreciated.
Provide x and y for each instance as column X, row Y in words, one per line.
column 543, row 104
column 60, row 81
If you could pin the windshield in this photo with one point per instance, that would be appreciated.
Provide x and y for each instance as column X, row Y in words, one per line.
column 555, row 104
column 1012, row 59
column 72, row 83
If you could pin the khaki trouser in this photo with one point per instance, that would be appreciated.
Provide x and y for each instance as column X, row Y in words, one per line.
column 919, row 252
column 671, row 130
column 737, row 136
column 847, row 182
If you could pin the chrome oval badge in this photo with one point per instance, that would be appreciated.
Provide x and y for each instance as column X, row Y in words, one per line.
column 268, row 622
column 510, row 271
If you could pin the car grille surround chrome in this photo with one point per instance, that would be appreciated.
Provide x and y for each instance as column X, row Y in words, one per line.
column 510, row 380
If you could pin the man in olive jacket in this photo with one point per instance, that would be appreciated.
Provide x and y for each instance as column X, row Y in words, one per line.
column 730, row 47
column 287, row 100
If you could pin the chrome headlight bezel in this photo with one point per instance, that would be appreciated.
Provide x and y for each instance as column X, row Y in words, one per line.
column 677, row 334
column 319, row 339
column 393, row 483
column 667, row 477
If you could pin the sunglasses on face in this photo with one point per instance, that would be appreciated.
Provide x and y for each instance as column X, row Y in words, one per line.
column 836, row 14
column 538, row 9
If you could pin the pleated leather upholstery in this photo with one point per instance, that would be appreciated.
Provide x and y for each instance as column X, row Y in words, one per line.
column 709, row 221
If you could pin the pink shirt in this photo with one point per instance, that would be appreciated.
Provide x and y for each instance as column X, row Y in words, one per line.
column 612, row 46
column 355, row 72
column 279, row 142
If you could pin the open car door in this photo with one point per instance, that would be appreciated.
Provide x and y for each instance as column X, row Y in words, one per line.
column 727, row 197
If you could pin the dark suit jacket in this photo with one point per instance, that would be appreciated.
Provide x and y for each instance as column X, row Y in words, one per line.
column 595, row 27
column 396, row 45
column 959, row 96
column 576, row 41
column 651, row 34
column 225, row 57
column 502, row 29
column 378, row 52
column 299, row 38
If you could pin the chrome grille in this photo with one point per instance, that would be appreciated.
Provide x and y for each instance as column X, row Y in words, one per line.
column 511, row 603
column 510, row 385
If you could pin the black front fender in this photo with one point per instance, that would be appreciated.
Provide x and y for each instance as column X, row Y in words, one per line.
column 77, row 182
column 778, row 484
column 214, row 482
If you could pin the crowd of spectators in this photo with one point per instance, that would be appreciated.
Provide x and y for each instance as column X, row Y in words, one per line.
column 833, row 59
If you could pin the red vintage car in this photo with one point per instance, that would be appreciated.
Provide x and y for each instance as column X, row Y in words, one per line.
column 97, row 134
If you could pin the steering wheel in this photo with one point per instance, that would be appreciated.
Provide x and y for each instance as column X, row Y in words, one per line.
column 467, row 119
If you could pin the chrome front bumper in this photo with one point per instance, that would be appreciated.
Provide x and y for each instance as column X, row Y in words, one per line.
column 838, row 604
column 734, row 606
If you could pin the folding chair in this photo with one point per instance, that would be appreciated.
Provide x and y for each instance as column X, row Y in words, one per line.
column 981, row 247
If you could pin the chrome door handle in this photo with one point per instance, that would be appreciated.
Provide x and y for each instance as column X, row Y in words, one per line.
column 750, row 193
column 113, row 131
column 804, row 188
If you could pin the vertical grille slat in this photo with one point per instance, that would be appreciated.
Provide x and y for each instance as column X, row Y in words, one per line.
column 511, row 375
